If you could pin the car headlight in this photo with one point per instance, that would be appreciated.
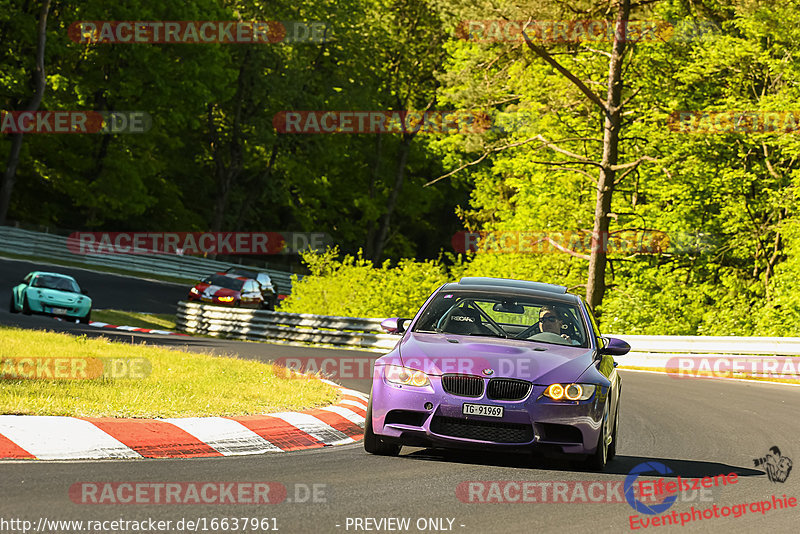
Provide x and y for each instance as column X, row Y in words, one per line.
column 405, row 376
column 194, row 291
column 225, row 299
column 571, row 392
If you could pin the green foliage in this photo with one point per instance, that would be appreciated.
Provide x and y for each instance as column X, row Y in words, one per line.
column 213, row 157
column 732, row 193
column 353, row 287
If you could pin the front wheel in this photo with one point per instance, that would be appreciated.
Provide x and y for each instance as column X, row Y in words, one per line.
column 612, row 448
column 375, row 445
column 26, row 309
column 86, row 319
column 598, row 460
column 12, row 306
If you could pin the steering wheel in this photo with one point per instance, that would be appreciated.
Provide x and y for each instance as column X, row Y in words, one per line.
column 527, row 332
column 575, row 334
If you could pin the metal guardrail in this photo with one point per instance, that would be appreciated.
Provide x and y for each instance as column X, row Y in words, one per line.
column 785, row 346
column 50, row 246
column 262, row 325
column 653, row 352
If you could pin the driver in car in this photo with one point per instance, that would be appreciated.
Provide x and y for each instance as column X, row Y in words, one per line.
column 550, row 321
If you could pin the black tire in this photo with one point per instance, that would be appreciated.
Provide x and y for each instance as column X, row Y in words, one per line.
column 375, row 445
column 26, row 310
column 598, row 460
column 86, row 319
column 612, row 447
column 11, row 307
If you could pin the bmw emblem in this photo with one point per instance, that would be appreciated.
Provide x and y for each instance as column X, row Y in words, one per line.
column 488, row 372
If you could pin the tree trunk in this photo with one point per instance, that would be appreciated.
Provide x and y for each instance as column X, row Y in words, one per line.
column 376, row 169
column 596, row 282
column 39, row 82
column 380, row 241
column 228, row 174
column 258, row 185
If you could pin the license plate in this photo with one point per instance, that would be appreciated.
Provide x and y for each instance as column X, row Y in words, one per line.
column 58, row 310
column 482, row 409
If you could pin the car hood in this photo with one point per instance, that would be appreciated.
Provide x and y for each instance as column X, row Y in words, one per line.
column 438, row 354
column 219, row 291
column 54, row 296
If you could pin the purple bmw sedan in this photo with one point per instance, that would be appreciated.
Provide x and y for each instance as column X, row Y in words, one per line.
column 501, row 364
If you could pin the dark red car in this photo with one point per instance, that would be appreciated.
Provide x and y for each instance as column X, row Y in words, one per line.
column 228, row 290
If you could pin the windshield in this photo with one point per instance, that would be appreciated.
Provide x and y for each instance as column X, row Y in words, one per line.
column 242, row 272
column 514, row 317
column 58, row 283
column 227, row 282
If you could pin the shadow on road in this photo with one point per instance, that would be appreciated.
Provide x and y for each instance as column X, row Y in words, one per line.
column 621, row 465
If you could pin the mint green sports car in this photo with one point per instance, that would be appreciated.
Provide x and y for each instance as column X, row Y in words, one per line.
column 51, row 294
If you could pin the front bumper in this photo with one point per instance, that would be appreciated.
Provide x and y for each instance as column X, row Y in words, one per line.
column 58, row 309
column 535, row 422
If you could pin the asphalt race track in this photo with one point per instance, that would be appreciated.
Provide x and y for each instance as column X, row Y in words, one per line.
column 106, row 290
column 695, row 427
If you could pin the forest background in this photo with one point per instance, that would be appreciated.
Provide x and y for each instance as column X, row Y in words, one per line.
column 726, row 202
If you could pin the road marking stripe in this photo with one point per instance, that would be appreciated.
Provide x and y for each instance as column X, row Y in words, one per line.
column 347, row 413
column 357, row 408
column 99, row 324
column 225, row 435
column 350, row 401
column 9, row 449
column 154, row 438
column 339, row 422
column 57, row 438
column 314, row 427
column 278, row 432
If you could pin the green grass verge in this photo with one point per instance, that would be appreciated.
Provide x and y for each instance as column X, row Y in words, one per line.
column 157, row 321
column 180, row 384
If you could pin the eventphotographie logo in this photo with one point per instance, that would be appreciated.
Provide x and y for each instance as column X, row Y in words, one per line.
column 776, row 466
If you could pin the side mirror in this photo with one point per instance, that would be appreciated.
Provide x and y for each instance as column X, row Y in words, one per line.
column 394, row 325
column 85, row 292
column 615, row 347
